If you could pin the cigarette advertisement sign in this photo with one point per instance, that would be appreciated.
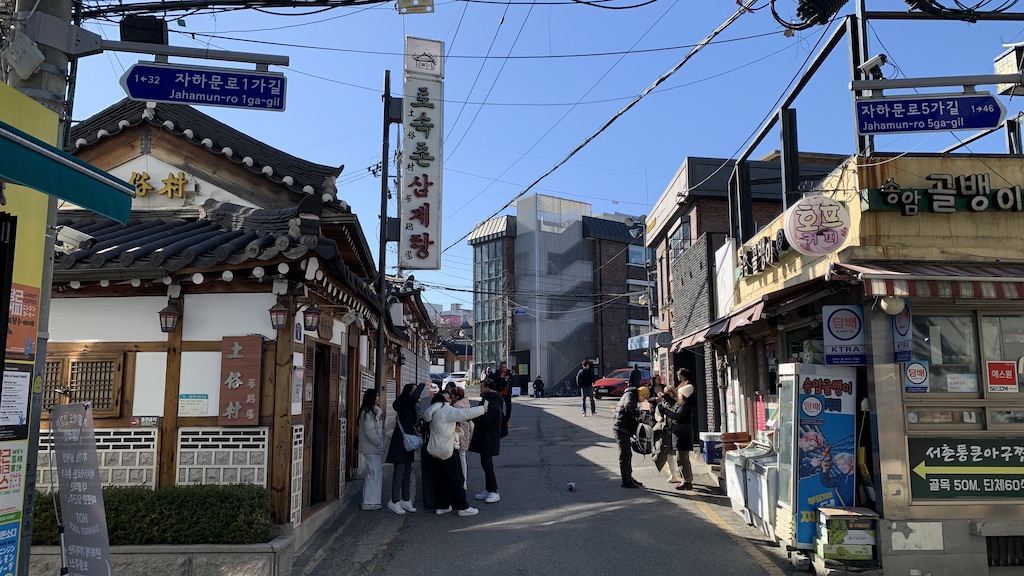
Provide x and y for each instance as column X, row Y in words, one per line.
column 845, row 343
column 902, row 336
column 826, row 399
column 958, row 468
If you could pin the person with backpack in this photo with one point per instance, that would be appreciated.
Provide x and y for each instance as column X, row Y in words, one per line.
column 486, row 441
column 585, row 381
column 627, row 419
column 405, row 423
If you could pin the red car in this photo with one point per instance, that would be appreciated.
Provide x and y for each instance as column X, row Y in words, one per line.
column 615, row 383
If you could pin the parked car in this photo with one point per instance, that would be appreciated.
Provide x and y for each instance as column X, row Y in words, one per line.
column 458, row 377
column 438, row 378
column 615, row 383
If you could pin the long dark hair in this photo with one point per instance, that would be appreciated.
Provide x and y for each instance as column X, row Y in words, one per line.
column 368, row 404
column 407, row 389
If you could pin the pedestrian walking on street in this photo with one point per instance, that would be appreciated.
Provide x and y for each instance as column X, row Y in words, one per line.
column 402, row 459
column 486, row 441
column 505, row 380
column 463, row 431
column 635, row 376
column 664, row 440
column 538, row 387
column 585, row 381
column 371, row 444
column 448, row 480
column 681, row 416
column 627, row 418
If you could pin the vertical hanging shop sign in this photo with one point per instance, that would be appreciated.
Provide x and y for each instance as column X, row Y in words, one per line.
column 844, row 335
column 241, row 364
column 902, row 336
column 419, row 197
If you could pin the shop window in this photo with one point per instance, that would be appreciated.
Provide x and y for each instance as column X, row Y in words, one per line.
column 95, row 379
column 1004, row 342
column 950, row 345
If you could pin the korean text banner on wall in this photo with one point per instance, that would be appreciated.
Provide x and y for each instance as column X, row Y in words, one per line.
column 419, row 199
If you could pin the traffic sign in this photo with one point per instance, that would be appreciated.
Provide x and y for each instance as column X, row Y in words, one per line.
column 205, row 86
column 519, row 311
column 929, row 113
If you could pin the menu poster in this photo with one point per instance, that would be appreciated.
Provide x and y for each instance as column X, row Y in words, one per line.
column 86, row 546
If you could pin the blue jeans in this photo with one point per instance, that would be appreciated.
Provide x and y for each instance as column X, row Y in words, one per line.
column 588, row 392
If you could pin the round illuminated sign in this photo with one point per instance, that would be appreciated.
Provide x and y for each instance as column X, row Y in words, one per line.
column 816, row 225
column 811, row 406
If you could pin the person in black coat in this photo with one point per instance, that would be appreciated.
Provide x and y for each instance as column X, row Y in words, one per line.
column 682, row 428
column 486, row 439
column 405, row 420
column 627, row 419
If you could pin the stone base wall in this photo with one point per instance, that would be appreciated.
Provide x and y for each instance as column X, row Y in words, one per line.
column 127, row 458
column 210, row 455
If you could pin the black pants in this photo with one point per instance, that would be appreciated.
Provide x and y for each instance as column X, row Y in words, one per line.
column 448, row 490
column 625, row 455
column 490, row 480
column 427, row 478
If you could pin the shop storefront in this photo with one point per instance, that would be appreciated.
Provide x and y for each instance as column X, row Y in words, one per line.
column 906, row 272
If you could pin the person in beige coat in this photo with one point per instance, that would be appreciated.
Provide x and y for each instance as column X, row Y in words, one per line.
column 463, row 430
column 371, row 446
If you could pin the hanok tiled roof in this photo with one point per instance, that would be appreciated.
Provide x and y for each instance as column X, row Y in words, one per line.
column 217, row 138
column 222, row 236
column 459, row 348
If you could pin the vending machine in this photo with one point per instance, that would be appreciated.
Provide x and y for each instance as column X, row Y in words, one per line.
column 815, row 441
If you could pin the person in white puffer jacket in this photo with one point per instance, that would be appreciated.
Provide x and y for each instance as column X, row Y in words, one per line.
column 449, row 493
column 371, row 446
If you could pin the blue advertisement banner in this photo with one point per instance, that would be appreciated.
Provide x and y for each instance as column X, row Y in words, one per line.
column 826, row 475
column 902, row 335
column 9, row 533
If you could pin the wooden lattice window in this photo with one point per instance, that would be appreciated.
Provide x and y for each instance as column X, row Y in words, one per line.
column 96, row 379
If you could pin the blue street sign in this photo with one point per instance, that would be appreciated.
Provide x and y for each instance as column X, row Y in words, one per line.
column 205, row 86
column 519, row 311
column 929, row 113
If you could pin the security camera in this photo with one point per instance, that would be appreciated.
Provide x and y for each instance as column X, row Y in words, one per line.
column 873, row 66
column 68, row 237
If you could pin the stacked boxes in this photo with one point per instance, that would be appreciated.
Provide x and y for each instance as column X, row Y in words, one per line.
column 846, row 533
column 711, row 447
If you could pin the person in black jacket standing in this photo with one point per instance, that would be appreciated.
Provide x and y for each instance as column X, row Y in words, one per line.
column 635, row 376
column 627, row 418
column 405, row 421
column 504, row 380
column 585, row 381
column 486, row 440
column 682, row 419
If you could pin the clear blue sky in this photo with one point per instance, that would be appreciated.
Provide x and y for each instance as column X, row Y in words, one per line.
column 525, row 83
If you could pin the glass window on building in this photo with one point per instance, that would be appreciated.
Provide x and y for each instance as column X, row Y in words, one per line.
column 679, row 240
column 950, row 345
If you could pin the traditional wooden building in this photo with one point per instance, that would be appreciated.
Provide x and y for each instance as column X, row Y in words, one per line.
column 225, row 333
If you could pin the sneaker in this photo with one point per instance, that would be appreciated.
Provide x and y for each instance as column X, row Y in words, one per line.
column 584, row 413
column 684, row 486
column 483, row 495
column 441, row 511
column 675, row 480
column 492, row 498
column 407, row 505
column 396, row 508
column 629, row 485
column 469, row 512
column 637, row 482
column 370, row 506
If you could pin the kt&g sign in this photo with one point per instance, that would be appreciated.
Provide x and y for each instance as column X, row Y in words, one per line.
column 845, row 344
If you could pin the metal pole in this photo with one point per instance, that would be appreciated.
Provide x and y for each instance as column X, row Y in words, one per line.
column 382, row 256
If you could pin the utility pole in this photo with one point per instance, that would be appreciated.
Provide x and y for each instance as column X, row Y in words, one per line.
column 48, row 86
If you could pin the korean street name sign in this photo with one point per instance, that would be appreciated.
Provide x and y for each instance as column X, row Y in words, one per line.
column 419, row 199
column 241, row 372
column 86, row 545
column 948, row 194
column 972, row 468
column 929, row 113
column 205, row 86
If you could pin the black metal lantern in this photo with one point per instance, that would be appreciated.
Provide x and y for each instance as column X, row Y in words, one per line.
column 169, row 317
column 278, row 316
column 311, row 318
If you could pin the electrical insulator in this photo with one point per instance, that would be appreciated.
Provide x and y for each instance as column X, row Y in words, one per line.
column 818, row 11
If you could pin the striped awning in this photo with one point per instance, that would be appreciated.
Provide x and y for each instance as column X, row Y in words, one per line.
column 742, row 317
column 954, row 281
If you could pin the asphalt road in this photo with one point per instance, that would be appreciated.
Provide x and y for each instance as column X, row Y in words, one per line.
column 541, row 528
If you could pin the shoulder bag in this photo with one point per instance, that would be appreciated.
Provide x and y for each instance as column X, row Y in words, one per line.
column 410, row 441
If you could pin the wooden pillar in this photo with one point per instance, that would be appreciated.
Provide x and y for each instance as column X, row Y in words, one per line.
column 280, row 460
column 172, row 385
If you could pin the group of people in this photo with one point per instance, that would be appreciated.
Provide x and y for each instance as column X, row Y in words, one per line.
column 451, row 428
column 673, row 409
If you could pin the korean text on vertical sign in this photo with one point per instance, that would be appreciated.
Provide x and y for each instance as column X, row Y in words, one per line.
column 826, row 474
column 419, row 197
column 241, row 364
column 845, row 343
column 81, row 496
column 902, row 335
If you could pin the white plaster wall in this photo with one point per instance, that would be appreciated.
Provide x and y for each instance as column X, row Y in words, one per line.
column 340, row 333
column 150, row 381
column 364, row 351
column 107, row 319
column 213, row 316
column 200, row 374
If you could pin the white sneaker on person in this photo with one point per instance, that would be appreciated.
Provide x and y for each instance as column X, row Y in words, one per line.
column 483, row 495
column 371, row 506
column 407, row 506
column 396, row 508
column 469, row 512
column 492, row 498
column 440, row 511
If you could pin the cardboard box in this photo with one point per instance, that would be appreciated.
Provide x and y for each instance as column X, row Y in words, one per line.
column 854, row 526
column 736, row 437
column 711, row 451
column 844, row 551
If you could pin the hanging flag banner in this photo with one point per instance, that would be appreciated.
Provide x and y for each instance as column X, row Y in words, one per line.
column 902, row 335
column 419, row 197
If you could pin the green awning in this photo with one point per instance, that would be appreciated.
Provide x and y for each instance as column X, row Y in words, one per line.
column 30, row 162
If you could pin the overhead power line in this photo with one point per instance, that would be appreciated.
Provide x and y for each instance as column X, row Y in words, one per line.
column 700, row 45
